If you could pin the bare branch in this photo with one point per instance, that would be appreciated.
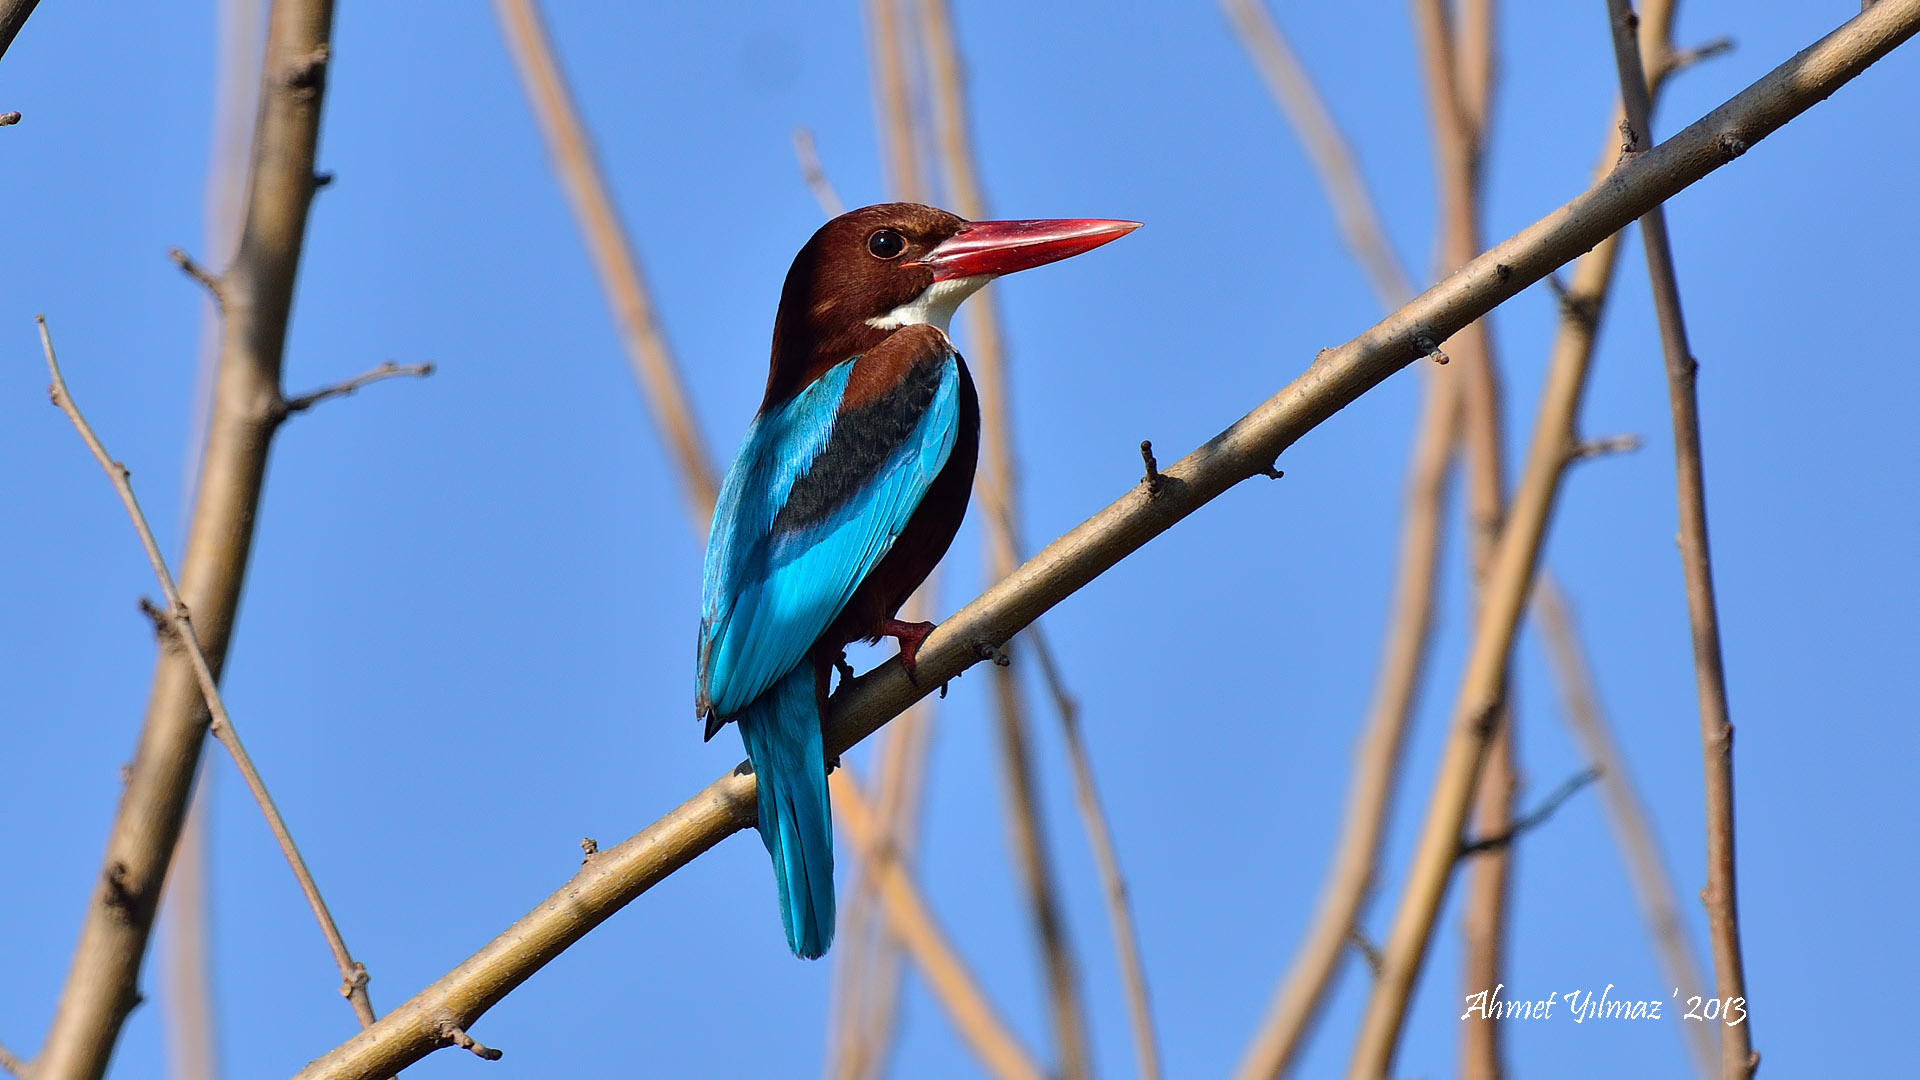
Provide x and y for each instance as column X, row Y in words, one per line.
column 813, row 175
column 1632, row 825
column 999, row 484
column 13, row 15
column 1339, row 175
column 1336, row 379
column 1681, row 59
column 906, row 178
column 1605, row 446
column 1720, row 136
column 351, row 972
column 613, row 254
column 1303, row 990
column 1533, row 819
column 113, row 938
column 1153, row 478
column 1459, row 65
column 199, row 273
column 457, row 1036
column 387, row 370
column 1368, row 950
column 1106, row 856
column 1737, row 1056
column 914, row 927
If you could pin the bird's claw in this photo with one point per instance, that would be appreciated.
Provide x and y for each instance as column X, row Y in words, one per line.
column 910, row 636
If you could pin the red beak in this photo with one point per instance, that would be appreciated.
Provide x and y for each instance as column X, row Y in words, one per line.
column 1003, row 247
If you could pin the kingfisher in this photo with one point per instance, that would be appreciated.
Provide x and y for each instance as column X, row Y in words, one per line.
column 847, row 490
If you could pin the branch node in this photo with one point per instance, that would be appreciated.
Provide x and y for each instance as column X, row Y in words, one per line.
column 1503, row 272
column 120, row 897
column 589, row 847
column 455, row 1035
column 8, row 119
column 1732, row 145
column 991, row 650
column 321, row 179
column 199, row 273
column 1629, row 140
column 1271, row 472
column 1153, row 479
column 357, row 982
column 308, row 71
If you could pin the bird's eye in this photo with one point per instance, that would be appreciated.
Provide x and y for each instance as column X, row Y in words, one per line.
column 886, row 244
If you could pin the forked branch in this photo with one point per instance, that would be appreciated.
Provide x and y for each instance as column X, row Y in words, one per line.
column 353, row 976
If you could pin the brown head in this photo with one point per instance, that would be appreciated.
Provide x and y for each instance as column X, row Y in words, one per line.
column 873, row 270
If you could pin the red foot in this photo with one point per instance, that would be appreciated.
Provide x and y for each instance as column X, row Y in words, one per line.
column 910, row 635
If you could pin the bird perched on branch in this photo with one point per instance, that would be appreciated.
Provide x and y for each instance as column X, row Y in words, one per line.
column 847, row 490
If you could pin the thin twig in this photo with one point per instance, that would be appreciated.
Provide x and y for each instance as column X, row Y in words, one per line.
column 613, row 254
column 813, row 175
column 387, row 370
column 1605, row 446
column 352, row 974
column 101, row 979
column 1632, row 825
column 457, row 1036
column 207, row 278
column 13, row 1064
column 1737, row 1057
column 999, row 483
column 914, row 927
column 1534, row 818
column 1337, row 378
column 9, row 118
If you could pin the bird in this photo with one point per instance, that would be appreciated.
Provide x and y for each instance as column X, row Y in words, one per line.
column 847, row 490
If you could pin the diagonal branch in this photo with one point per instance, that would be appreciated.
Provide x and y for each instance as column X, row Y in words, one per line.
column 1737, row 1057
column 100, row 987
column 1652, row 886
column 13, row 16
column 613, row 255
column 353, row 976
column 1335, row 379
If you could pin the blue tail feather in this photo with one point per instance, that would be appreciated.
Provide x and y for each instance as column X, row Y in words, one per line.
column 781, row 729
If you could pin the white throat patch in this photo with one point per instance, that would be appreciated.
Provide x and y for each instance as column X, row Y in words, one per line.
column 934, row 307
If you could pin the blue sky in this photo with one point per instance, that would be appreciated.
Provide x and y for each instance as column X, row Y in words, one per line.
column 465, row 641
